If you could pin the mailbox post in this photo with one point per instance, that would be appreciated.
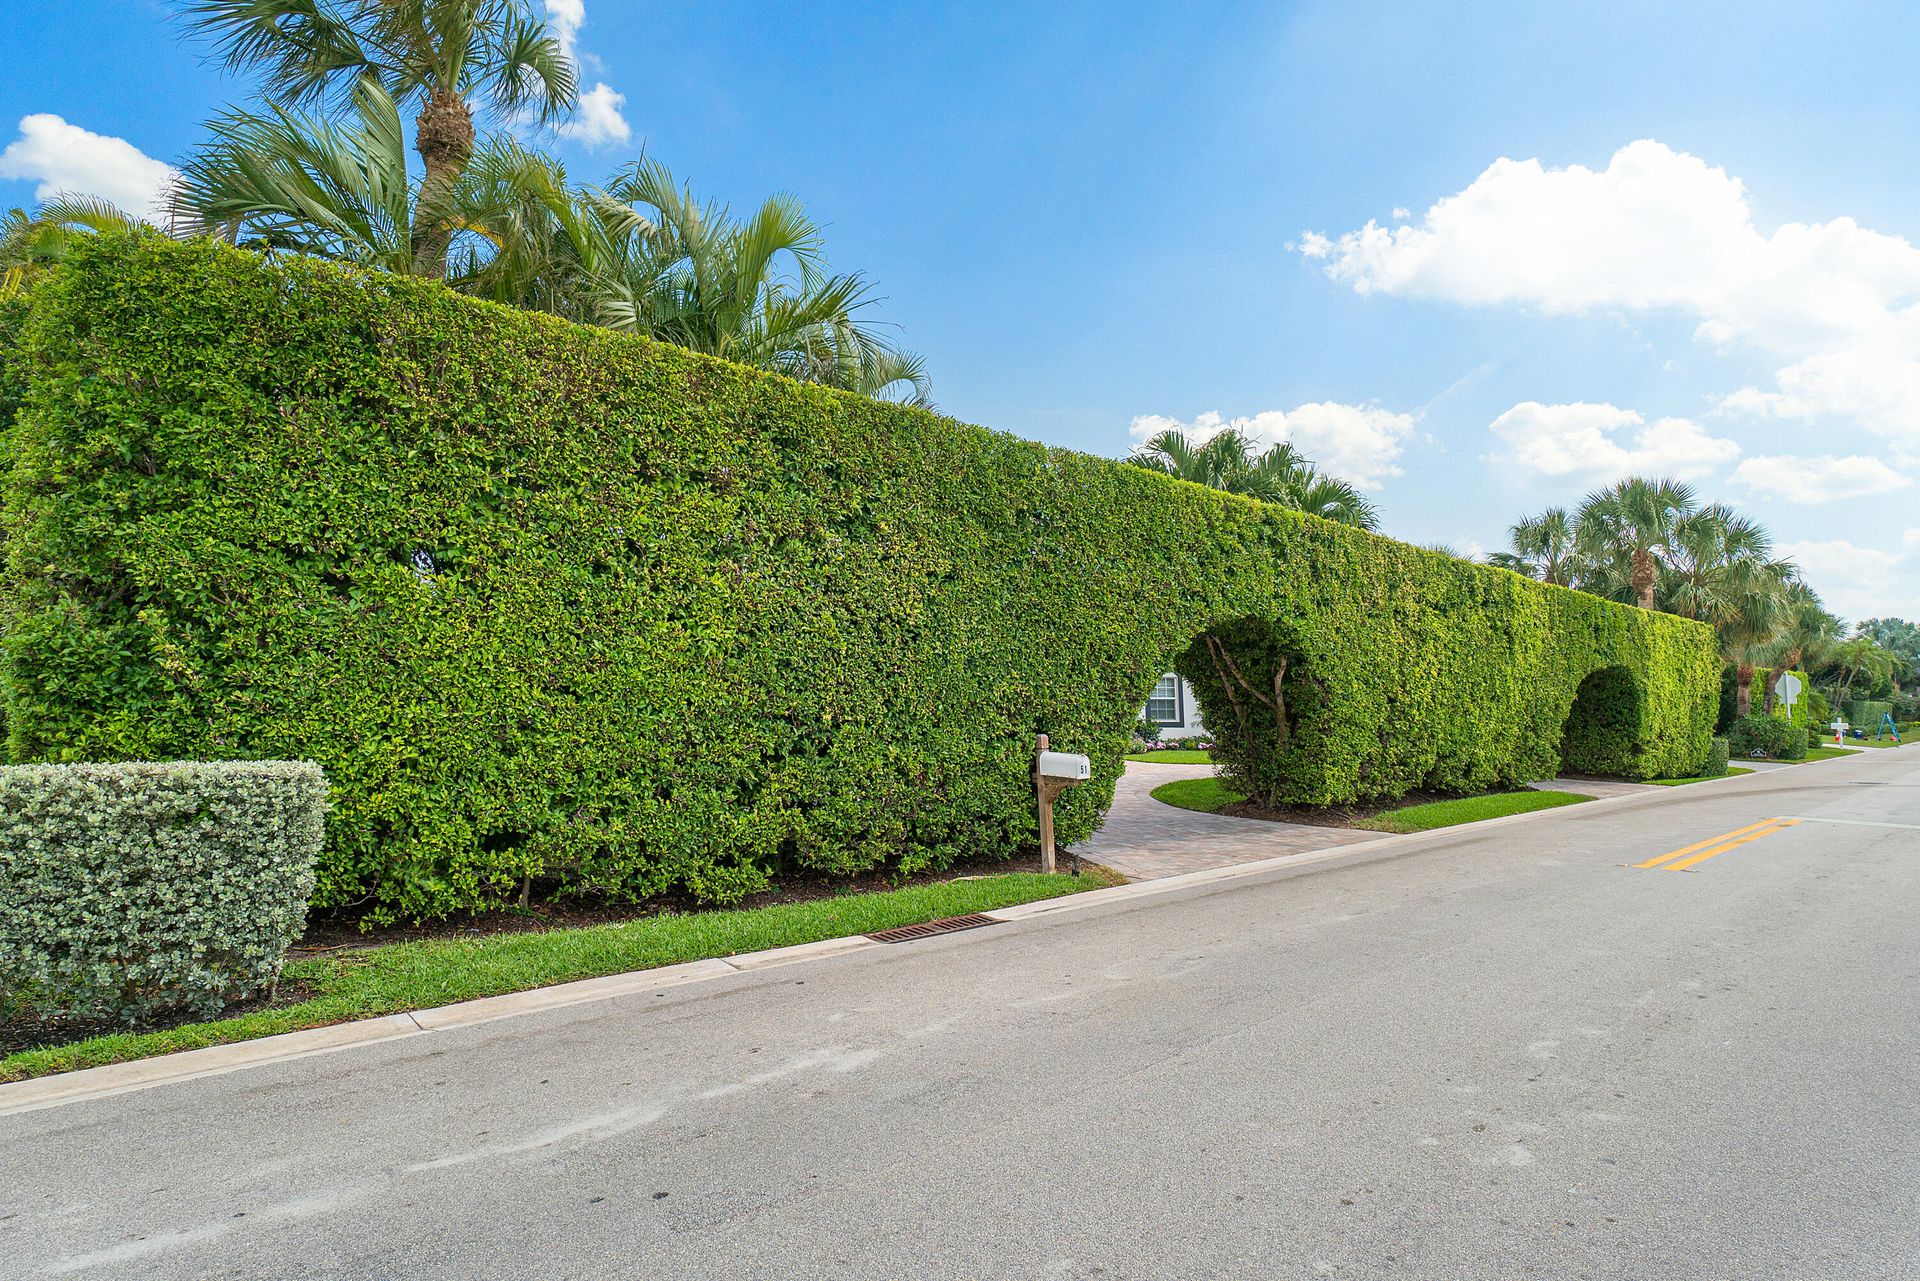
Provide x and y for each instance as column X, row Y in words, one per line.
column 1054, row 773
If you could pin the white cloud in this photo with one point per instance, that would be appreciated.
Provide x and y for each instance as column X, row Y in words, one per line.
column 62, row 157
column 1578, row 441
column 1859, row 582
column 600, row 117
column 1818, row 480
column 564, row 20
column 1837, row 304
column 1358, row 443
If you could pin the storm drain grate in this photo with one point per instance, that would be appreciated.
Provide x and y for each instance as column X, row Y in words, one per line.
column 927, row 929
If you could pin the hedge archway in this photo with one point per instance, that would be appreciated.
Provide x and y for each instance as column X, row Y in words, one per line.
column 1605, row 726
column 685, row 623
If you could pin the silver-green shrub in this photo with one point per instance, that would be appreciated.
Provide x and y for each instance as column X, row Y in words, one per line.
column 132, row 891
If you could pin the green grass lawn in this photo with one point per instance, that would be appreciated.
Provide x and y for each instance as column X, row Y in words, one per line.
column 1203, row 794
column 1173, row 756
column 1208, row 794
column 369, row 982
column 1682, row 782
column 1874, row 742
column 1817, row 754
column 1468, row 809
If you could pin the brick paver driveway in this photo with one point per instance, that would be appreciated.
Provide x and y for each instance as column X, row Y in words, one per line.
column 1143, row 839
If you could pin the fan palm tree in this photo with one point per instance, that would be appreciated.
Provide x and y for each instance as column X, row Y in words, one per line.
column 439, row 55
column 1721, row 571
column 1629, row 525
column 1279, row 475
column 1543, row 547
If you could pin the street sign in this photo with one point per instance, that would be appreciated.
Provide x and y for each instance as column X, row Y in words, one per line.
column 1788, row 688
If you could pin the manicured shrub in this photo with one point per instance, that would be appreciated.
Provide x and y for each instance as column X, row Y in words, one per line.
column 549, row 601
column 1718, row 751
column 128, row 891
column 1769, row 736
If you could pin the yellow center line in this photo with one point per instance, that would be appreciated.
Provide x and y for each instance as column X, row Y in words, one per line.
column 1700, row 845
column 1718, row 850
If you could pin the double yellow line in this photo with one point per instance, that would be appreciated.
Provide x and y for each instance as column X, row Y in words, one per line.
column 1700, row 851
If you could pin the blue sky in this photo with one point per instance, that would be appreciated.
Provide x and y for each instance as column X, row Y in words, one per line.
column 1604, row 237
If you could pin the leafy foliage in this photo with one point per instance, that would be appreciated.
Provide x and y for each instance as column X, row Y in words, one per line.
column 1767, row 735
column 132, row 890
column 554, row 602
column 1718, row 750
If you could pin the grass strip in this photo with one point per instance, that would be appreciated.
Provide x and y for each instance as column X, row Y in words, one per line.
column 370, row 982
column 1467, row 809
column 1682, row 782
column 1813, row 754
column 1174, row 756
column 1203, row 794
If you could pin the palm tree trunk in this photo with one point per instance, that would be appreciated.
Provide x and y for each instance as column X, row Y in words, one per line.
column 1643, row 577
column 1743, row 689
column 443, row 135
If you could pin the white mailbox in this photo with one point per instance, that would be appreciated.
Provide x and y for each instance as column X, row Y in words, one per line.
column 1067, row 765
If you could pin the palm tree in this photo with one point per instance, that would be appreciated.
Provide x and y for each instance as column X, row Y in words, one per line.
column 32, row 241
column 1721, row 571
column 1857, row 657
column 338, row 188
column 1279, row 475
column 1543, row 547
column 1808, row 633
column 439, row 54
column 651, row 259
column 1629, row 525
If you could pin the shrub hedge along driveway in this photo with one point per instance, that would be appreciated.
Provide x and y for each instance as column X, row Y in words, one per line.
column 550, row 601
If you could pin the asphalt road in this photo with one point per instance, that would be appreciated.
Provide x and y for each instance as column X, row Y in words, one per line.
column 1488, row 1054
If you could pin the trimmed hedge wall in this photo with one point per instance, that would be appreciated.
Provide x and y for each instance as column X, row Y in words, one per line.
column 552, row 601
column 1865, row 713
column 128, row 891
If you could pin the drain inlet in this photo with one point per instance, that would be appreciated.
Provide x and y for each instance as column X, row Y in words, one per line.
column 927, row 929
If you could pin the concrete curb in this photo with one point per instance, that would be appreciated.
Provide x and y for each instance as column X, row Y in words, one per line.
column 216, row 1060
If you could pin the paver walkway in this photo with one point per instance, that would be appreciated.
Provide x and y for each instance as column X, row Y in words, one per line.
column 1144, row 839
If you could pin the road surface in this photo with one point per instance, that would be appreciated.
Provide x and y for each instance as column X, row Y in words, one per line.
column 1495, row 1053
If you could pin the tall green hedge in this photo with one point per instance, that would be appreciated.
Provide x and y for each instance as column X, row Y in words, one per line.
column 551, row 601
column 1866, row 713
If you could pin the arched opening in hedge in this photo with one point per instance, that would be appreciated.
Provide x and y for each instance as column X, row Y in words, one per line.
column 1255, row 684
column 1606, row 725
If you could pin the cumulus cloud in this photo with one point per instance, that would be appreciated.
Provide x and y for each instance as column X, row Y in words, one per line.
column 1581, row 441
column 1358, row 443
column 564, row 20
column 1837, row 304
column 600, row 117
column 1818, row 480
column 63, row 157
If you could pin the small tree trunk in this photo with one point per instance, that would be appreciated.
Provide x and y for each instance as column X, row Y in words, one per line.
column 1743, row 689
column 1643, row 577
column 443, row 135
